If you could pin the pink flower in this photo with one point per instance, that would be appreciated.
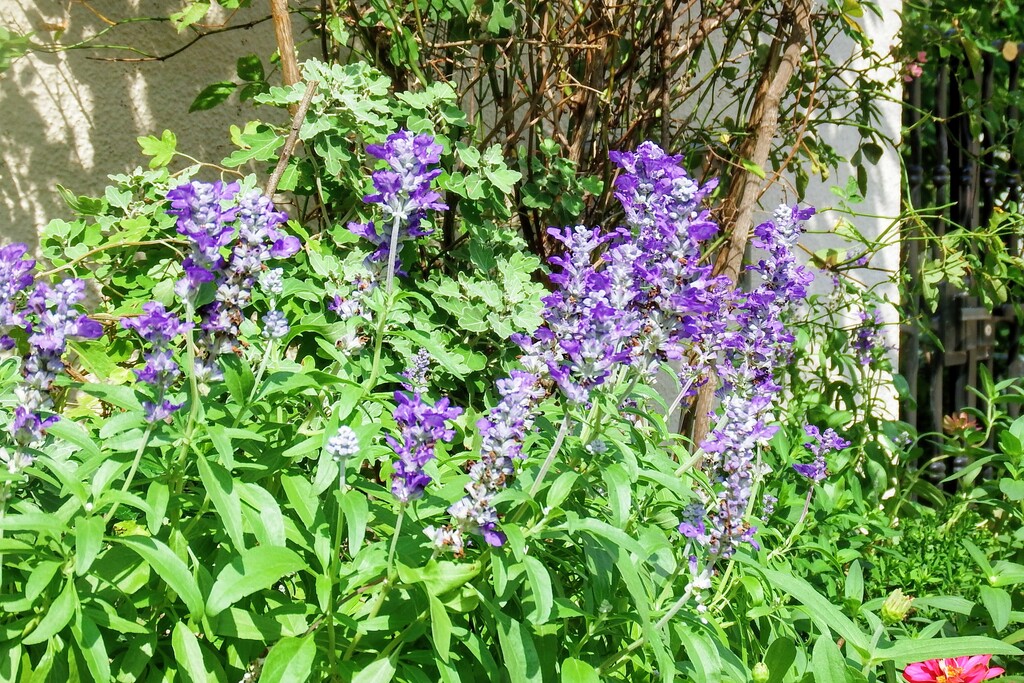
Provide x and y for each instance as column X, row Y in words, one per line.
column 955, row 670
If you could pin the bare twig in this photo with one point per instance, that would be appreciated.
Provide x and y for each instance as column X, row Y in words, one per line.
column 292, row 140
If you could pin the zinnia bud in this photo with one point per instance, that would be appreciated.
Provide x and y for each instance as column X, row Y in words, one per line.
column 896, row 607
column 760, row 674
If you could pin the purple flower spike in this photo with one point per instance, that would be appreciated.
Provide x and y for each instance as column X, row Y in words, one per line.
column 215, row 217
column 402, row 191
column 821, row 444
column 50, row 318
column 503, row 431
column 422, row 426
column 159, row 328
column 15, row 278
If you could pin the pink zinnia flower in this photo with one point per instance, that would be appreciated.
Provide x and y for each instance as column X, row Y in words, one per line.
column 955, row 670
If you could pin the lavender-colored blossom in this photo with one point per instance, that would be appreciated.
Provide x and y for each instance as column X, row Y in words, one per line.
column 503, row 431
column 275, row 325
column 51, row 318
column 821, row 444
column 754, row 345
column 422, row 426
column 159, row 328
column 418, row 372
column 402, row 191
column 15, row 278
column 868, row 342
column 343, row 444
column 204, row 219
column 214, row 217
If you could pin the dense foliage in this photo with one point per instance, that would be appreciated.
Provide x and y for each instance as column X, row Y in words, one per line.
column 319, row 451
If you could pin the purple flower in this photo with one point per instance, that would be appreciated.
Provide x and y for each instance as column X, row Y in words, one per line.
column 275, row 325
column 159, row 328
column 15, row 278
column 50, row 318
column 422, row 426
column 418, row 371
column 502, row 433
column 214, row 217
column 204, row 219
column 402, row 191
column 821, row 444
column 868, row 342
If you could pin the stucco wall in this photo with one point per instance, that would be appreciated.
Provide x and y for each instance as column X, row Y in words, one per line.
column 68, row 119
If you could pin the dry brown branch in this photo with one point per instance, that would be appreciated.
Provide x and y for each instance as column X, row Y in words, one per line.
column 292, row 140
column 285, row 41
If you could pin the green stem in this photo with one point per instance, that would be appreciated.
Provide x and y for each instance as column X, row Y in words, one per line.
column 612, row 662
column 131, row 472
column 385, row 586
column 260, row 371
column 548, row 461
column 335, row 574
column 794, row 531
column 396, row 228
column 5, row 494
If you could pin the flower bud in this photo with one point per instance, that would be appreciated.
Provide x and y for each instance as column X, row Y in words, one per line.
column 896, row 607
column 760, row 674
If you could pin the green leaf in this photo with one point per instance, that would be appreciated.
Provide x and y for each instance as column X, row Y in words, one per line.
column 162, row 150
column 517, row 650
column 300, row 496
column 578, row 671
column 440, row 627
column 88, row 541
column 250, row 68
column 255, row 146
column 1012, row 489
column 540, row 589
column 380, row 671
column 818, row 607
column 169, row 568
column 91, row 645
column 221, row 488
column 905, row 651
column 998, row 603
column 56, row 617
column 779, row 658
column 754, row 168
column 854, row 588
column 289, row 661
column 188, row 655
column 357, row 512
column 254, row 570
column 829, row 664
column 212, row 95
column 190, row 14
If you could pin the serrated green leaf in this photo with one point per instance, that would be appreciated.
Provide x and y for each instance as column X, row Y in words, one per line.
column 162, row 149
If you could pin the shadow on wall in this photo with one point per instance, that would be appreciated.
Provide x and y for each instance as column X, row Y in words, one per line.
column 71, row 120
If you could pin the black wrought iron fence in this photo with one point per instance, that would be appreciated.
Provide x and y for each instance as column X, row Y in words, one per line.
column 961, row 170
